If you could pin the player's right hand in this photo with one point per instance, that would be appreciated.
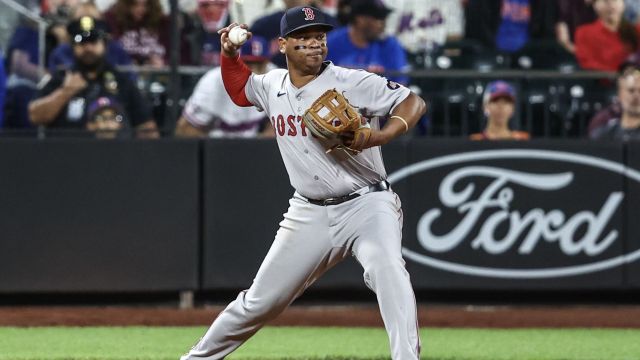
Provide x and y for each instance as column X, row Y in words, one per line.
column 74, row 82
column 228, row 48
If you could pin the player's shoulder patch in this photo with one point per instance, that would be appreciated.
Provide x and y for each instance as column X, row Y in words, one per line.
column 392, row 85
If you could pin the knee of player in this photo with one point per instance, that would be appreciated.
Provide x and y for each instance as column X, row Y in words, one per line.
column 385, row 267
column 374, row 257
column 388, row 272
column 264, row 308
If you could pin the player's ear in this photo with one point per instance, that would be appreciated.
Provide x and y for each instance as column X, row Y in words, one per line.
column 282, row 44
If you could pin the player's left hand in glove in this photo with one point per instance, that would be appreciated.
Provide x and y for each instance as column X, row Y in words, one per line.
column 337, row 123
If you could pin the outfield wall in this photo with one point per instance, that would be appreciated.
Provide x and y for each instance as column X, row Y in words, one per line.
column 120, row 216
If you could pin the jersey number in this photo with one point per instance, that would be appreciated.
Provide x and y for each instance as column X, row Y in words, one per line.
column 290, row 126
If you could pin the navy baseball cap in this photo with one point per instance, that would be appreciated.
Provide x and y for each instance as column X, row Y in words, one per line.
column 301, row 17
column 255, row 49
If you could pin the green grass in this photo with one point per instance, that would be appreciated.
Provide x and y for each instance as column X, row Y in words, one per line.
column 159, row 343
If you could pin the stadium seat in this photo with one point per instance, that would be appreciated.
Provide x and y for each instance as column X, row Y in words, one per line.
column 467, row 55
column 544, row 55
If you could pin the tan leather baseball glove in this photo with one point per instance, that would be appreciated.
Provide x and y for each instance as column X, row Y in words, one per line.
column 331, row 116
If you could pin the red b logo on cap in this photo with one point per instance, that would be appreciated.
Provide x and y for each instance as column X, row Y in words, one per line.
column 308, row 14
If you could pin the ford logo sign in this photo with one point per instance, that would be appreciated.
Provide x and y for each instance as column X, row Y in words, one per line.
column 490, row 210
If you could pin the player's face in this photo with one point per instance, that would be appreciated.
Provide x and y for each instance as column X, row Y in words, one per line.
column 499, row 111
column 305, row 49
column 629, row 94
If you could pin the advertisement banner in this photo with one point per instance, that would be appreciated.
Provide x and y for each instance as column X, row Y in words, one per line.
column 98, row 216
column 537, row 215
column 633, row 215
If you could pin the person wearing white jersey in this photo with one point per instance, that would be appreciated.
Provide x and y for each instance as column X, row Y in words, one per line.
column 209, row 110
column 342, row 203
column 424, row 25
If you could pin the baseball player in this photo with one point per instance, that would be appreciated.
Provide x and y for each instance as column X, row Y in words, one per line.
column 342, row 204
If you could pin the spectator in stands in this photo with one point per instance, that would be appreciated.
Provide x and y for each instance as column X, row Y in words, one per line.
column 105, row 118
column 611, row 32
column 627, row 126
column 23, row 60
column 499, row 105
column 507, row 25
column 62, row 56
column 614, row 110
column 363, row 45
column 513, row 29
column 24, row 74
column 204, row 40
column 602, row 117
column 142, row 29
column 571, row 14
column 210, row 111
column 62, row 103
column 422, row 26
column 269, row 28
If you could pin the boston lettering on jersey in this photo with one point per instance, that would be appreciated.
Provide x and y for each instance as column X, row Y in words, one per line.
column 289, row 126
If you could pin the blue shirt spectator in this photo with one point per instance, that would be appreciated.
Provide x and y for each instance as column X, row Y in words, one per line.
column 362, row 45
column 513, row 31
column 380, row 56
column 22, row 53
column 23, row 76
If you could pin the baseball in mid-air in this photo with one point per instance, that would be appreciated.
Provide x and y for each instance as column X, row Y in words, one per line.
column 238, row 35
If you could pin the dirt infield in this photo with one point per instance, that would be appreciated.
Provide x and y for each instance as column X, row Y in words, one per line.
column 366, row 315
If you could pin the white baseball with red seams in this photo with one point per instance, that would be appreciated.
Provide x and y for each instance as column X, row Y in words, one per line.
column 238, row 35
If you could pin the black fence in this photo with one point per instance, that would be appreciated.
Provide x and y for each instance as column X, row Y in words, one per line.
column 550, row 104
column 171, row 215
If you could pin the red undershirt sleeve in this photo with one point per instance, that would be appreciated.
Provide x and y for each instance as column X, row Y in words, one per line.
column 235, row 75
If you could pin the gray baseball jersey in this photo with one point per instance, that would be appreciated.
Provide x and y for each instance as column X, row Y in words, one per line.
column 313, row 238
column 311, row 172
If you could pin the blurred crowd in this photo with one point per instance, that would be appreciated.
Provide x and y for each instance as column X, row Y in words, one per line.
column 94, row 79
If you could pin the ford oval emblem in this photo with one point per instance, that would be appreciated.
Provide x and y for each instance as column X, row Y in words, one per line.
column 482, row 198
